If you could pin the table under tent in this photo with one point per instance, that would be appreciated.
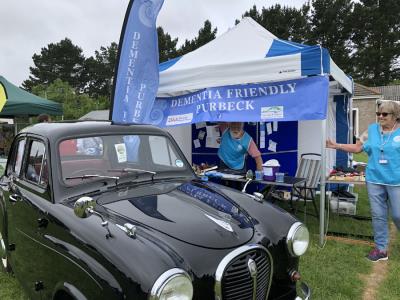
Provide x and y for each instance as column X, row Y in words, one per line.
column 249, row 75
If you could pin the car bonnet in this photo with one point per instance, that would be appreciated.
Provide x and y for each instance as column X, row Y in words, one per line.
column 190, row 211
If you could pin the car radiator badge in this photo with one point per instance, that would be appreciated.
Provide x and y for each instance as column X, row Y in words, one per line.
column 251, row 264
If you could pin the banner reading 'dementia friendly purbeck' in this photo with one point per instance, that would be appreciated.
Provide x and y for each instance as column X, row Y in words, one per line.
column 136, row 81
column 300, row 99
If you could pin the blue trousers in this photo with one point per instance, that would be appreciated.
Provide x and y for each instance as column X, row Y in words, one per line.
column 383, row 198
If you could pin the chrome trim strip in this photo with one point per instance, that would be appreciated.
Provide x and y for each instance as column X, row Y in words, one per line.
column 252, row 266
column 163, row 279
column 3, row 252
column 290, row 237
column 228, row 258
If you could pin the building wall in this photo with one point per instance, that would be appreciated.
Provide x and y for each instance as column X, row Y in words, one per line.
column 366, row 113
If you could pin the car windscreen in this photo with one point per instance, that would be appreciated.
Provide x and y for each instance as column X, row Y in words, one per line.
column 92, row 157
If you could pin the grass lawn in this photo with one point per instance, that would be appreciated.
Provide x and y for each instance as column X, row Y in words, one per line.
column 361, row 157
column 10, row 288
column 335, row 271
column 390, row 289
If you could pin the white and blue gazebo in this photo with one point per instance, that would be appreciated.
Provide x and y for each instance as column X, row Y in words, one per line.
column 248, row 74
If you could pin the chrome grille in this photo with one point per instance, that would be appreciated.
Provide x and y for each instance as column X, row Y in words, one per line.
column 234, row 280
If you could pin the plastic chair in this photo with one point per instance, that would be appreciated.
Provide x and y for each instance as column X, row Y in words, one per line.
column 309, row 168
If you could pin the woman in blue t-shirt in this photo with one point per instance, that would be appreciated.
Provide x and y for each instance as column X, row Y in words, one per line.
column 235, row 144
column 382, row 144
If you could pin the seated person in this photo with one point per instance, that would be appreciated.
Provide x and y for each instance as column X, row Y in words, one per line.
column 235, row 145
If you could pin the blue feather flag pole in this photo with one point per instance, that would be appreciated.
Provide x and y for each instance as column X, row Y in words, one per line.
column 136, row 74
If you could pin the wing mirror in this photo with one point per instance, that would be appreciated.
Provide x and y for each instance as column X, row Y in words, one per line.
column 84, row 207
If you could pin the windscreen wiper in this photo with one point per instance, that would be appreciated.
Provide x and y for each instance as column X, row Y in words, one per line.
column 132, row 170
column 116, row 178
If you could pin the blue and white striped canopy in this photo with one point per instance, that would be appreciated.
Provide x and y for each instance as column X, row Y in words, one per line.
column 247, row 53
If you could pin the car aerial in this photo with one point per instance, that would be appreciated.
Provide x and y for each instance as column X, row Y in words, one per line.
column 96, row 210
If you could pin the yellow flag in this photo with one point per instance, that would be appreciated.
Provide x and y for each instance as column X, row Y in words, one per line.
column 3, row 96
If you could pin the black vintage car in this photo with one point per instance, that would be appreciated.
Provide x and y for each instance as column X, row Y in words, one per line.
column 94, row 210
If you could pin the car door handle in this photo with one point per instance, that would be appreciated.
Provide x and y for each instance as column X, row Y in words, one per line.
column 42, row 222
column 14, row 198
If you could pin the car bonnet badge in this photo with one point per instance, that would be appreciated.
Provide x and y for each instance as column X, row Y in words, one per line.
column 221, row 223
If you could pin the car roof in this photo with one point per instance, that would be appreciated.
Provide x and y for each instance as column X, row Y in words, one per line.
column 57, row 130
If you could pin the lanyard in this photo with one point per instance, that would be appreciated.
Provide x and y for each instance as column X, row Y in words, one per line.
column 383, row 143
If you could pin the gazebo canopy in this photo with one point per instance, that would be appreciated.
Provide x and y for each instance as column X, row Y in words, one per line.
column 20, row 102
column 247, row 53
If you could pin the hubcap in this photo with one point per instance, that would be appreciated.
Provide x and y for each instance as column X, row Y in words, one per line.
column 3, row 252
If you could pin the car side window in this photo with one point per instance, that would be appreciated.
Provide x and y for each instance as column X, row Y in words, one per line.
column 18, row 156
column 37, row 169
column 161, row 151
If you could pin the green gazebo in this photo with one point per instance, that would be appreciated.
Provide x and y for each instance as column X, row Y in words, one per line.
column 23, row 103
column 19, row 105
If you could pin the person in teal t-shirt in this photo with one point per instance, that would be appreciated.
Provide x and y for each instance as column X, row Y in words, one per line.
column 382, row 144
column 235, row 144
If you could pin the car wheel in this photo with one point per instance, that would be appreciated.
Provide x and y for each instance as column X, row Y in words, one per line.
column 5, row 266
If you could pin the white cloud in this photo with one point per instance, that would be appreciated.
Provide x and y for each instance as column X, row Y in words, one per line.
column 27, row 26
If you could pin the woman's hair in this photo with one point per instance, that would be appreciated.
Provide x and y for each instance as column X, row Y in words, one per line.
column 236, row 124
column 43, row 118
column 390, row 107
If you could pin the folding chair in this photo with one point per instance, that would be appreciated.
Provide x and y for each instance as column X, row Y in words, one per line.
column 309, row 168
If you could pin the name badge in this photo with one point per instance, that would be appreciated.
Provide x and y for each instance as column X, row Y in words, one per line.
column 383, row 161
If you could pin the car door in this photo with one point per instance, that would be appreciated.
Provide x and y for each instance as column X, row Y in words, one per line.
column 13, row 169
column 29, row 195
column 47, row 257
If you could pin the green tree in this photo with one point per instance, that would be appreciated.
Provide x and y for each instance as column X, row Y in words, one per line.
column 331, row 27
column 166, row 45
column 62, row 60
column 395, row 82
column 100, row 71
column 377, row 41
column 59, row 91
column 205, row 35
column 286, row 23
column 100, row 68
column 74, row 105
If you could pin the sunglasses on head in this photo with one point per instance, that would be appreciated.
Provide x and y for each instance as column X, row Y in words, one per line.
column 383, row 114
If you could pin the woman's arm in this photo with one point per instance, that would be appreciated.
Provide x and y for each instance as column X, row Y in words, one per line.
column 352, row 148
column 259, row 163
column 256, row 154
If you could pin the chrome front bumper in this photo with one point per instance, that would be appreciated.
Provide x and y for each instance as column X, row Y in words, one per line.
column 306, row 291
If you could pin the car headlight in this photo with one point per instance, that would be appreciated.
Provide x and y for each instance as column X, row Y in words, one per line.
column 174, row 284
column 298, row 239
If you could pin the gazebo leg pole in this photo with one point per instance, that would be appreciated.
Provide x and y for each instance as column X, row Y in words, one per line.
column 323, row 185
column 15, row 126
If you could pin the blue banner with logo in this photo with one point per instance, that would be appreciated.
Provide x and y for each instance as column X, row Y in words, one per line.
column 292, row 100
column 136, row 81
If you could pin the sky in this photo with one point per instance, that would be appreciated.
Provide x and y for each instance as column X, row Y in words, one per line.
column 27, row 26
